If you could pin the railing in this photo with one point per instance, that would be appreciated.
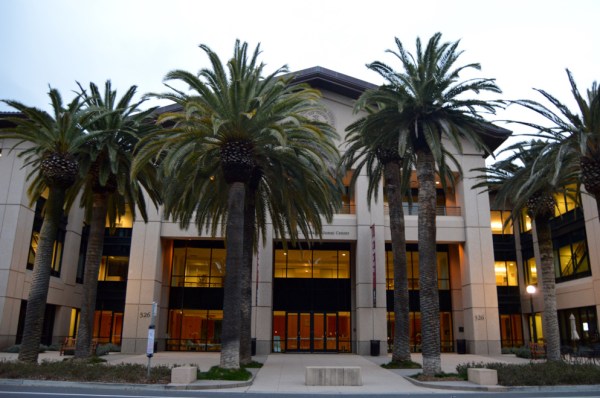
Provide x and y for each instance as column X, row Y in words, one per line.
column 347, row 209
column 413, row 210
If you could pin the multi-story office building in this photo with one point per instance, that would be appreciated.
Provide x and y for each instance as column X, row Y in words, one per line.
column 332, row 297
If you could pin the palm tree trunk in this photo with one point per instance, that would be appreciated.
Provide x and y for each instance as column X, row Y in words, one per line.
column 38, row 294
column 401, row 348
column 246, row 281
column 549, row 316
column 93, row 257
column 230, row 334
column 428, row 281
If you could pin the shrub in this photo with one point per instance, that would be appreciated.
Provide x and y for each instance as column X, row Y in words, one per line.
column 93, row 369
column 218, row 373
column 252, row 365
column 539, row 374
column 13, row 349
column 102, row 350
column 401, row 365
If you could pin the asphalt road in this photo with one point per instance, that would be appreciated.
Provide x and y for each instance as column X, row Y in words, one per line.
column 9, row 391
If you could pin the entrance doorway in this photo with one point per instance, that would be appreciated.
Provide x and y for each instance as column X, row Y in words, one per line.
column 311, row 331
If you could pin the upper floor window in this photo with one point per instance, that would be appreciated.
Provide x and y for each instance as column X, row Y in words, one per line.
column 348, row 205
column 566, row 201
column 506, row 273
column 499, row 223
column 323, row 264
column 412, row 264
column 524, row 222
column 197, row 266
column 57, row 250
column 531, row 271
column 113, row 269
column 571, row 260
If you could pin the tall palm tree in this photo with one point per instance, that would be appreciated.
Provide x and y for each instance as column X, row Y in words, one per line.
column 524, row 182
column 54, row 141
column 115, row 127
column 239, row 122
column 384, row 162
column 432, row 107
column 577, row 134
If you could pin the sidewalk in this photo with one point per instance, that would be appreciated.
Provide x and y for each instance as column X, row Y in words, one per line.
column 284, row 373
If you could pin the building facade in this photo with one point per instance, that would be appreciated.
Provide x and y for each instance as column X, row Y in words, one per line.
column 335, row 296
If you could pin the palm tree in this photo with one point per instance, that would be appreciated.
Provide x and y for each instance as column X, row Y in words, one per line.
column 107, row 190
column 384, row 161
column 238, row 123
column 54, row 141
column 431, row 106
column 524, row 181
column 576, row 134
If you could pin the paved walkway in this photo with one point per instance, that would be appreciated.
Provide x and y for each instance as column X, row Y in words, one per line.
column 284, row 373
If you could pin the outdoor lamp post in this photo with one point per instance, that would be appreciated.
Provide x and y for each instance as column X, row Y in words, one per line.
column 531, row 289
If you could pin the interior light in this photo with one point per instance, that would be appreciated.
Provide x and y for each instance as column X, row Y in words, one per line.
column 585, row 326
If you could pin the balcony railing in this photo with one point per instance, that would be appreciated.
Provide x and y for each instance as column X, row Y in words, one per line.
column 413, row 210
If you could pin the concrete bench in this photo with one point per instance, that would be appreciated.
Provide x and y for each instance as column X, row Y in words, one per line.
column 184, row 374
column 333, row 376
column 485, row 377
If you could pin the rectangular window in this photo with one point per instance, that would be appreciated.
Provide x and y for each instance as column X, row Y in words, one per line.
column 194, row 330
column 506, row 273
column 348, row 195
column 571, row 260
column 113, row 269
column 566, row 201
column 198, row 266
column 57, row 250
column 319, row 264
column 412, row 264
column 499, row 223
column 531, row 271
column 525, row 222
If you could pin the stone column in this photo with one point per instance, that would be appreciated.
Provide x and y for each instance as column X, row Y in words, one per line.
column 144, row 283
column 369, row 315
column 478, row 279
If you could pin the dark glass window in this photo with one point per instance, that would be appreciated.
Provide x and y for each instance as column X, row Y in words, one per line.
column 35, row 236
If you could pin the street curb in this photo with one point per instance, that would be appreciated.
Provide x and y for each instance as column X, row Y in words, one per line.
column 440, row 385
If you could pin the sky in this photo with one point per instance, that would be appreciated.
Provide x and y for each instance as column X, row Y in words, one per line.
column 523, row 44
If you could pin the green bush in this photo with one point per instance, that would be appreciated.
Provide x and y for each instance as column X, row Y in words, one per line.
column 401, row 365
column 550, row 373
column 93, row 369
column 102, row 350
column 218, row 373
column 14, row 349
column 252, row 365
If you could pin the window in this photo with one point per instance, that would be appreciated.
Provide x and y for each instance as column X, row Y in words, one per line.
column 57, row 251
column 525, row 222
column 566, row 201
column 531, row 271
column 511, row 330
column 412, row 263
column 348, row 195
column 506, row 273
column 320, row 264
column 499, row 222
column 571, row 260
column 113, row 269
column 194, row 330
column 197, row 266
column 108, row 327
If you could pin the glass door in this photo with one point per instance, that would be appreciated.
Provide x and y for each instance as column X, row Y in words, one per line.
column 331, row 332
column 292, row 331
column 305, row 332
column 319, row 332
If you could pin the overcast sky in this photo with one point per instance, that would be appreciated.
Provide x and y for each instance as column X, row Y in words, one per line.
column 523, row 44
